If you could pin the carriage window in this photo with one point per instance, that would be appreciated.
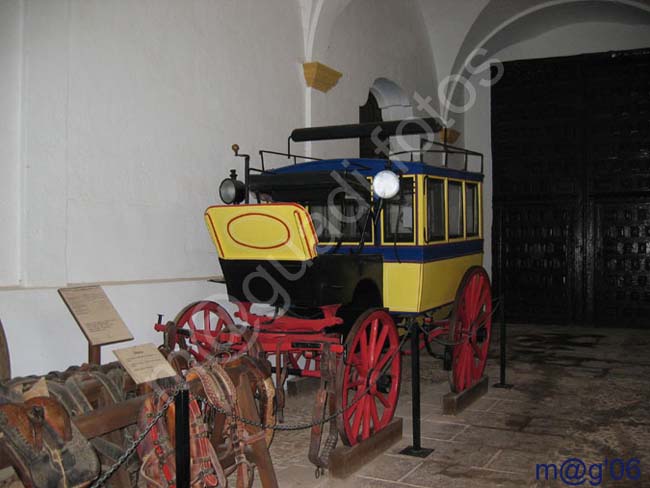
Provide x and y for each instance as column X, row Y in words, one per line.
column 398, row 214
column 471, row 205
column 435, row 210
column 455, row 209
column 342, row 222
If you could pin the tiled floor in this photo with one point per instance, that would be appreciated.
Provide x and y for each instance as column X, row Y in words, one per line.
column 579, row 392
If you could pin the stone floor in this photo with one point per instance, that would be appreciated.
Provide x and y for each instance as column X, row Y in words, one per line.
column 578, row 393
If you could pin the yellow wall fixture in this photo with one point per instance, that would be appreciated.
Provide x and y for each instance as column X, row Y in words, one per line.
column 449, row 136
column 320, row 77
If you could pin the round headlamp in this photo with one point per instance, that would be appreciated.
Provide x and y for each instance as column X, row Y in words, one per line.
column 231, row 190
column 386, row 184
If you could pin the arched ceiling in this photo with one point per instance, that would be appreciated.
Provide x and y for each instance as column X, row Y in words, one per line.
column 503, row 23
column 318, row 18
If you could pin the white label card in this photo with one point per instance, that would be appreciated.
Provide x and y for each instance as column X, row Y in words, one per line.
column 144, row 363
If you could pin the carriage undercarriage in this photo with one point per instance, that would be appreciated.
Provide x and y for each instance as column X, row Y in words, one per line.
column 359, row 366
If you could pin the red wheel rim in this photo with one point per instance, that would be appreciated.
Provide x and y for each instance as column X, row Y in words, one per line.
column 373, row 360
column 211, row 321
column 470, row 329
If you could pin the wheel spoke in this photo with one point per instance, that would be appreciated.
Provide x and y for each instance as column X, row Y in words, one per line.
column 191, row 323
column 206, row 319
column 386, row 357
column 373, row 413
column 366, row 417
column 482, row 318
column 477, row 351
column 382, row 399
column 359, row 364
column 363, row 342
column 358, row 415
column 374, row 326
column 380, row 342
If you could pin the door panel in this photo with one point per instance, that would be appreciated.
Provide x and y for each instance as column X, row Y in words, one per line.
column 622, row 291
column 537, row 255
column 571, row 184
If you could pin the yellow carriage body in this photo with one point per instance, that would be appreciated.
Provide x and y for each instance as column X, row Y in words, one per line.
column 418, row 274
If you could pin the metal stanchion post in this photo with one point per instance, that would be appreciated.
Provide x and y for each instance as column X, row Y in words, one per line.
column 502, row 348
column 416, row 448
column 182, row 419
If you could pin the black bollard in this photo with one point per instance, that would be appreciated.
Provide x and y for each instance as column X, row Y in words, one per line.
column 182, row 419
column 416, row 448
column 502, row 348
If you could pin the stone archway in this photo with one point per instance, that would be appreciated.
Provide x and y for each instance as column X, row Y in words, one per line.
column 395, row 105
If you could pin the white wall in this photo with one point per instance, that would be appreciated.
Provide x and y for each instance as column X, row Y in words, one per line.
column 43, row 337
column 563, row 41
column 129, row 110
column 371, row 39
column 10, row 67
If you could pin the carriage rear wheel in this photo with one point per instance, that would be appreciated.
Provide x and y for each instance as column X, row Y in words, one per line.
column 368, row 377
column 212, row 320
column 470, row 327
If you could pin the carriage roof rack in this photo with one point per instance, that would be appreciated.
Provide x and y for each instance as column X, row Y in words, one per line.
column 404, row 127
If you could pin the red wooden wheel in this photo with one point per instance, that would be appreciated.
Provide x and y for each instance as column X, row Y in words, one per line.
column 470, row 327
column 209, row 323
column 368, row 378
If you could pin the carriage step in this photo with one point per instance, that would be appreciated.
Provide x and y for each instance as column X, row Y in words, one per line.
column 454, row 403
column 345, row 460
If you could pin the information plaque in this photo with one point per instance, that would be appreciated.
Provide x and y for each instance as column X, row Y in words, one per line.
column 95, row 314
column 144, row 363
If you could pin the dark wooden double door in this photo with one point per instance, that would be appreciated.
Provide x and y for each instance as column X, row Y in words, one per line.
column 571, row 172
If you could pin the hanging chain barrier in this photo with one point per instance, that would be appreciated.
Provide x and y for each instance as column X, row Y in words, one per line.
column 138, row 440
column 283, row 427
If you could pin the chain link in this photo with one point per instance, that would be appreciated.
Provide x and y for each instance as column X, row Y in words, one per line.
column 138, row 440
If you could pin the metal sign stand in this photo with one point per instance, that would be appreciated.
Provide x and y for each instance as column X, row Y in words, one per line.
column 416, row 449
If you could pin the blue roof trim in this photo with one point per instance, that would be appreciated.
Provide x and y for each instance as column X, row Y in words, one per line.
column 415, row 254
column 370, row 167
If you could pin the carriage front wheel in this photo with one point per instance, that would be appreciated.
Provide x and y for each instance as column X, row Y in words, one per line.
column 209, row 324
column 470, row 327
column 368, row 377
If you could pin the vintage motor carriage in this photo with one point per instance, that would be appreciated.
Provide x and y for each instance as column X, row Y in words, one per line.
column 348, row 255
